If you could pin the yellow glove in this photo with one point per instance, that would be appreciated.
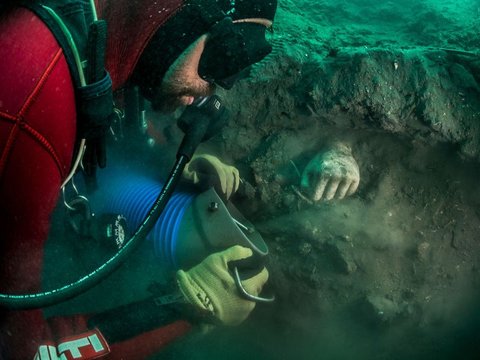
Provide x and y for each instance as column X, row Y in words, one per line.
column 210, row 287
column 208, row 170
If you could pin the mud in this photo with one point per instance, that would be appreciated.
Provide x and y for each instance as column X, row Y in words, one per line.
column 392, row 272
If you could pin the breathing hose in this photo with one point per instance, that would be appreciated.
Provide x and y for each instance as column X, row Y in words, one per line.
column 199, row 122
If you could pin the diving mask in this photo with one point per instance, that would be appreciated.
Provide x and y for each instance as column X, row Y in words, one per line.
column 230, row 50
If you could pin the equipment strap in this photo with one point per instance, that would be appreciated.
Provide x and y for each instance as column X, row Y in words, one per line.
column 83, row 40
column 67, row 20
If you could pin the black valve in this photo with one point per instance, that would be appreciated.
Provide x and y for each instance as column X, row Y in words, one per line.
column 201, row 121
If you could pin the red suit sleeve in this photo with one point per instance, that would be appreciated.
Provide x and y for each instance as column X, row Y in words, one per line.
column 37, row 138
column 37, row 135
column 74, row 340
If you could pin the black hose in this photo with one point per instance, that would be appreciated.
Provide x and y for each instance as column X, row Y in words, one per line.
column 66, row 292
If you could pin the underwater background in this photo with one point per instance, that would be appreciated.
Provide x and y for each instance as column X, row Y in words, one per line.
column 392, row 272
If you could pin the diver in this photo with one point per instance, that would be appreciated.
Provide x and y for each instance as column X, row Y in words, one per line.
column 176, row 52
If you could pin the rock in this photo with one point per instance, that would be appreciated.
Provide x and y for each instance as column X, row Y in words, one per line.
column 380, row 309
column 423, row 251
column 341, row 257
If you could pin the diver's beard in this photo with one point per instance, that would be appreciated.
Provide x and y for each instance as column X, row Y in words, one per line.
column 168, row 97
column 181, row 82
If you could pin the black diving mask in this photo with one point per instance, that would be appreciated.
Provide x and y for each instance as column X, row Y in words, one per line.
column 230, row 50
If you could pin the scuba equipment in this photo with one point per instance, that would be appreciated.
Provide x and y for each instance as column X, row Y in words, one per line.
column 201, row 114
column 67, row 20
column 241, row 43
column 192, row 226
column 109, row 229
column 231, row 48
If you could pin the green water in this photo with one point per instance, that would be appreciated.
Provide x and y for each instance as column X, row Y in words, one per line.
column 441, row 326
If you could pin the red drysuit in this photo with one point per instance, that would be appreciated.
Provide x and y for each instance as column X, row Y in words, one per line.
column 37, row 136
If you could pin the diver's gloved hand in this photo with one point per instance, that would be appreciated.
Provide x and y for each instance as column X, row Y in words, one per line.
column 210, row 287
column 95, row 154
column 331, row 174
column 207, row 170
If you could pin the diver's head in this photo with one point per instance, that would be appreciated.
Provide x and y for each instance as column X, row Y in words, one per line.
column 206, row 43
